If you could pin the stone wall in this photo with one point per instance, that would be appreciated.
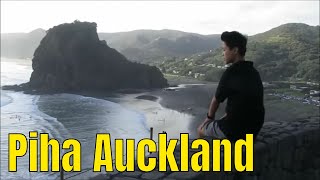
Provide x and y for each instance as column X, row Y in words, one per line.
column 282, row 151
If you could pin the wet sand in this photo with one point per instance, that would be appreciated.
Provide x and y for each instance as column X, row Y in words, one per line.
column 158, row 117
column 191, row 99
column 182, row 107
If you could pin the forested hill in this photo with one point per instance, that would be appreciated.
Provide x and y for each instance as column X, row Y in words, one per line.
column 139, row 45
column 146, row 45
column 290, row 50
column 287, row 52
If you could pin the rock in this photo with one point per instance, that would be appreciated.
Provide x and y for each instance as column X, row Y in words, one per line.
column 135, row 174
column 100, row 177
column 153, row 175
column 72, row 58
column 147, row 97
column 124, row 178
column 186, row 175
column 271, row 123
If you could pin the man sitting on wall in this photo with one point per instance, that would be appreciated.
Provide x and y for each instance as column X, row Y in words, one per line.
column 241, row 85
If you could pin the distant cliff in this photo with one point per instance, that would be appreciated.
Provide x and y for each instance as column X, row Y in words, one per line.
column 21, row 45
column 72, row 58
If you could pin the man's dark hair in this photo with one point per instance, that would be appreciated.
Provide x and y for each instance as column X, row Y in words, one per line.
column 235, row 39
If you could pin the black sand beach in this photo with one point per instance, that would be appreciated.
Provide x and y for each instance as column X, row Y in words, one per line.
column 193, row 99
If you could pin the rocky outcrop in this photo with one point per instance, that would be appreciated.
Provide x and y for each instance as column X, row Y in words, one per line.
column 72, row 58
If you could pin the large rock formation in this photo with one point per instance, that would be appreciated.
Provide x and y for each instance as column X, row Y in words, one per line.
column 72, row 58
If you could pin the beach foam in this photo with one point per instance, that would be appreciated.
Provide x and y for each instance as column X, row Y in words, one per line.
column 158, row 117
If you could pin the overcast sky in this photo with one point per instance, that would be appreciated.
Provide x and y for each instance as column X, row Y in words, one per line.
column 205, row 17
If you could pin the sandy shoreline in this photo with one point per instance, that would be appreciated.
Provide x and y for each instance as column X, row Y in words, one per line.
column 195, row 99
column 158, row 117
column 174, row 111
column 192, row 99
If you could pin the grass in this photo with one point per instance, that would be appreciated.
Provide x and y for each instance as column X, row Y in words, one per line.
column 289, row 92
column 177, row 79
column 288, row 110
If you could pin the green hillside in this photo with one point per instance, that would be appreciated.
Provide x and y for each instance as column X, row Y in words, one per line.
column 287, row 52
column 146, row 45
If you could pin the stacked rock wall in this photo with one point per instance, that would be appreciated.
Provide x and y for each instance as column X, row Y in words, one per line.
column 282, row 151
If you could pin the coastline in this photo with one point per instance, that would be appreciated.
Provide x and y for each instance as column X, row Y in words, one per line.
column 194, row 100
column 158, row 117
column 186, row 105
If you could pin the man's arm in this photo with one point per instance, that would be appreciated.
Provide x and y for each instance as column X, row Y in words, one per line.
column 214, row 105
column 221, row 94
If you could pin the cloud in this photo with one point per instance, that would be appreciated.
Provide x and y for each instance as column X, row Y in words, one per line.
column 205, row 17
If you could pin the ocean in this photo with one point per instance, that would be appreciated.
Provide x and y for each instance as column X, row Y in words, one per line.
column 66, row 116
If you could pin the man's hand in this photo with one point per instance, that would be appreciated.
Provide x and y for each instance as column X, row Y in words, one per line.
column 201, row 126
column 214, row 105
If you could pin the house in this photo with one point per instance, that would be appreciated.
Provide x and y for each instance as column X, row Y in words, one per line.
column 197, row 75
column 315, row 99
column 314, row 92
column 294, row 87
